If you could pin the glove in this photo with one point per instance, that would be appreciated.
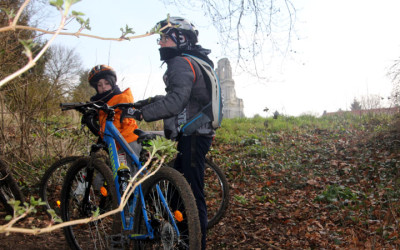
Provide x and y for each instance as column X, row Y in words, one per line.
column 137, row 115
column 91, row 120
column 131, row 113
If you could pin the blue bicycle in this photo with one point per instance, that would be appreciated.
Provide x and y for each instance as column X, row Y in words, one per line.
column 161, row 213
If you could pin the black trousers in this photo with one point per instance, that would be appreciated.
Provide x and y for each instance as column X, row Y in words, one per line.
column 190, row 162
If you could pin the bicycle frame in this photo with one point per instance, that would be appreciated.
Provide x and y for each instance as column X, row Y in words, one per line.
column 111, row 134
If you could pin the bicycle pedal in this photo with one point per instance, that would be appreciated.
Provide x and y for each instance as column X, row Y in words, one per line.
column 117, row 241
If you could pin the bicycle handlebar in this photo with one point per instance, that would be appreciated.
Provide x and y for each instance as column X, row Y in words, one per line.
column 81, row 106
column 71, row 105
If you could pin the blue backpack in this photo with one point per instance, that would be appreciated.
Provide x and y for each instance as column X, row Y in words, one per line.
column 212, row 112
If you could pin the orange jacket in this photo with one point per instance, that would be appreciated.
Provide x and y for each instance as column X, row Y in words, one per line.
column 128, row 125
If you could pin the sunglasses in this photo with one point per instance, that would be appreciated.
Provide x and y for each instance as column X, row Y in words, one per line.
column 162, row 39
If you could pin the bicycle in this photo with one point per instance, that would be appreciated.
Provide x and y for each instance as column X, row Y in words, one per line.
column 161, row 212
column 216, row 188
column 9, row 189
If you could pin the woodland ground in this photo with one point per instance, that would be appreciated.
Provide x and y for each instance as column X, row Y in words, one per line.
column 319, row 184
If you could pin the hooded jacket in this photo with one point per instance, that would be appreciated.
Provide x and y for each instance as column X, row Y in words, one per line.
column 186, row 95
column 128, row 125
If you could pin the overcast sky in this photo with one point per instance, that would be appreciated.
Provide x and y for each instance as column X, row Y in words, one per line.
column 342, row 50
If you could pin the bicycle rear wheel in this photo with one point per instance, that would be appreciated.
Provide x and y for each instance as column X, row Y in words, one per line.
column 216, row 192
column 181, row 204
column 9, row 189
column 52, row 182
column 87, row 189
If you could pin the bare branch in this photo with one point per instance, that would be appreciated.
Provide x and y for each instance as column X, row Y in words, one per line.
column 16, row 18
column 246, row 27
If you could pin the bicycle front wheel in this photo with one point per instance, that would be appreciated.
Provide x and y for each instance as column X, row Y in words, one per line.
column 52, row 182
column 176, row 222
column 9, row 189
column 86, row 190
column 216, row 192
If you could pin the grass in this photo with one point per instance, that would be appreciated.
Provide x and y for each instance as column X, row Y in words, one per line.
column 238, row 129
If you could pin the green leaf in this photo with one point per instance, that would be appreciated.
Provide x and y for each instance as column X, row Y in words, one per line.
column 126, row 31
column 84, row 23
column 76, row 13
column 74, row 1
column 57, row 3
column 96, row 213
column 8, row 217
column 9, row 13
column 162, row 147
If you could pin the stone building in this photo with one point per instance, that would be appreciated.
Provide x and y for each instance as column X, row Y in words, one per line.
column 233, row 106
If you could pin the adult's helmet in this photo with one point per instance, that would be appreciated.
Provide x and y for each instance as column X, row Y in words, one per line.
column 184, row 33
column 102, row 72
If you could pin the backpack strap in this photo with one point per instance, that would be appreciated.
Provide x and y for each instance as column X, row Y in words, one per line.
column 191, row 66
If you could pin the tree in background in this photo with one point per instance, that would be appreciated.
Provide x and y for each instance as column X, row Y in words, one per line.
column 28, row 101
column 247, row 27
column 371, row 102
column 356, row 105
column 63, row 69
column 19, row 96
column 394, row 74
column 83, row 91
column 11, row 49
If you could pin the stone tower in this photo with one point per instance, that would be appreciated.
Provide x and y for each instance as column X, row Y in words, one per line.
column 233, row 106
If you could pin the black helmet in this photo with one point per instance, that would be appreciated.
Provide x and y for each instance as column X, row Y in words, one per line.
column 184, row 33
column 102, row 72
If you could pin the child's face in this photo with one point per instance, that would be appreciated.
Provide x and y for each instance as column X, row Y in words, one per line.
column 103, row 86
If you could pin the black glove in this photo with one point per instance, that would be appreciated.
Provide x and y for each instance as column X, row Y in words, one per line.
column 91, row 120
column 131, row 113
column 137, row 115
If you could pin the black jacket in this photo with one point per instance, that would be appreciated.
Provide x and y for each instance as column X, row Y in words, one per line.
column 186, row 95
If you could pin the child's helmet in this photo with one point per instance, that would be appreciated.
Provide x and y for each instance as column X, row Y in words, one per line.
column 102, row 72
column 181, row 27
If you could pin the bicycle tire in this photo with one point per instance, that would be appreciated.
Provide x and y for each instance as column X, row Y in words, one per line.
column 96, row 234
column 179, row 198
column 216, row 192
column 9, row 189
column 52, row 181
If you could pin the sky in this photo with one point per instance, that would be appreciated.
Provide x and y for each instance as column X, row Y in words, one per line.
column 341, row 50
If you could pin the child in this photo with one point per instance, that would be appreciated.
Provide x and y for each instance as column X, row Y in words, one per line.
column 103, row 79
